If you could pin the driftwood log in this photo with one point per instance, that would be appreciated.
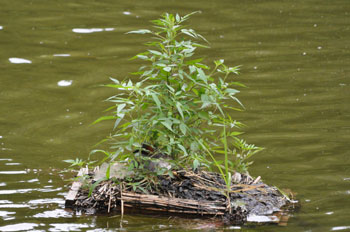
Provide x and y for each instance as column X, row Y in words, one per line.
column 188, row 193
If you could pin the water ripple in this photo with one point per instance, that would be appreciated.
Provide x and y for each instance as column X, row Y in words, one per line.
column 19, row 227
column 15, row 60
column 91, row 30
column 12, row 172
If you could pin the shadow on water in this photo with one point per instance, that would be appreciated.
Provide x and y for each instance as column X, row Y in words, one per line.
column 55, row 55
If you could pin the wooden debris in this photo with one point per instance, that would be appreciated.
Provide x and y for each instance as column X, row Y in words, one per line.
column 71, row 196
column 188, row 193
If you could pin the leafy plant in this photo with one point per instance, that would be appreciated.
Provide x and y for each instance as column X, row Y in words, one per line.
column 176, row 112
column 79, row 162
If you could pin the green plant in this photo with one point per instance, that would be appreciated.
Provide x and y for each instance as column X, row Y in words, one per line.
column 176, row 111
column 79, row 162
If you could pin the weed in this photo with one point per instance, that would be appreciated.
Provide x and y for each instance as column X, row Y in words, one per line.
column 177, row 111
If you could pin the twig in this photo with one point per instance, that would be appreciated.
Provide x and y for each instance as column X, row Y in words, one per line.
column 256, row 180
column 109, row 202
column 121, row 201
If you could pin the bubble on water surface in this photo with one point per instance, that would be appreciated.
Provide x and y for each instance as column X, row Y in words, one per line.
column 64, row 83
column 1, row 27
column 15, row 60
column 329, row 213
column 127, row 12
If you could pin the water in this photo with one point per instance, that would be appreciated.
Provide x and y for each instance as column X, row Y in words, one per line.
column 55, row 54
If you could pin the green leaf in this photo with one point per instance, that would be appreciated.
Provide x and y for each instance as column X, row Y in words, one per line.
column 239, row 102
column 120, row 108
column 238, row 84
column 142, row 57
column 202, row 75
column 156, row 100
column 168, row 124
column 167, row 69
column 178, row 18
column 183, row 128
column 108, row 171
column 98, row 150
column 178, row 106
column 103, row 118
column 155, row 52
column 231, row 91
column 191, row 62
column 117, row 122
column 203, row 115
column 93, row 186
column 182, row 148
column 195, row 164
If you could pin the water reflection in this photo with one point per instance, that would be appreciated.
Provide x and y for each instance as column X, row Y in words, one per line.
column 44, row 190
column 19, row 227
column 64, row 83
column 47, row 201
column 67, row 226
column 15, row 60
column 267, row 37
column 57, row 213
column 11, row 164
column 6, row 215
column 61, row 55
column 91, row 30
column 9, row 206
column 12, row 172
column 340, row 228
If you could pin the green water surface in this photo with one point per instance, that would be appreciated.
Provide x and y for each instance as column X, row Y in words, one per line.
column 295, row 59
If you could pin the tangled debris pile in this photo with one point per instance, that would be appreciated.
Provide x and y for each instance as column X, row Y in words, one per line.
column 188, row 193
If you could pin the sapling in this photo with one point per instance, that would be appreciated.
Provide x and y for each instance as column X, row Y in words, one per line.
column 177, row 109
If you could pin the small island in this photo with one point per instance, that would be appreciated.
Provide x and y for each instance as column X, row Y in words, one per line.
column 170, row 128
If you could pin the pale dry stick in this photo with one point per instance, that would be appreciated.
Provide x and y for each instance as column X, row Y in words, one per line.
column 121, row 201
column 109, row 202
column 199, row 177
column 172, row 205
column 121, row 205
column 256, row 180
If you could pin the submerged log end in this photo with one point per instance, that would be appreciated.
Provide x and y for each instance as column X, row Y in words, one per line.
column 71, row 196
